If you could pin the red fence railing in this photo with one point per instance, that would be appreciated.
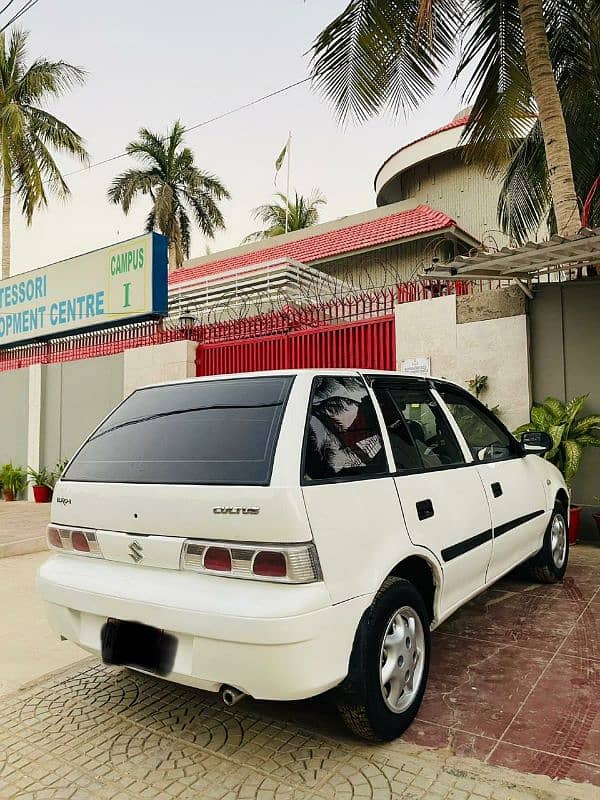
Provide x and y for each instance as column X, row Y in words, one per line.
column 335, row 311
column 369, row 344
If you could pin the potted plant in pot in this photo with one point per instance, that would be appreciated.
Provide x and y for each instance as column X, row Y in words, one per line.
column 571, row 434
column 43, row 483
column 13, row 480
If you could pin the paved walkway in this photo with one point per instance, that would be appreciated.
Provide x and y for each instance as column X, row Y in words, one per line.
column 101, row 733
column 514, row 683
column 23, row 527
column 28, row 648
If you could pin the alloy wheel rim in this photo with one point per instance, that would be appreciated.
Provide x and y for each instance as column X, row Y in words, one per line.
column 402, row 659
column 558, row 541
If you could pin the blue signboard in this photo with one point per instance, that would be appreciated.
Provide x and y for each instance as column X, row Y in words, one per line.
column 126, row 282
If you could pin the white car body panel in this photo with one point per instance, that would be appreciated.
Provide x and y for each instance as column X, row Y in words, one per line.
column 272, row 640
column 453, row 521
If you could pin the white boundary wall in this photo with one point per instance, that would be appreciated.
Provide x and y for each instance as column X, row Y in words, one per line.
column 498, row 348
column 63, row 402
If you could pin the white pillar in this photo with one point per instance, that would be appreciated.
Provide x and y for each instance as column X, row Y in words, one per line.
column 34, row 428
column 158, row 363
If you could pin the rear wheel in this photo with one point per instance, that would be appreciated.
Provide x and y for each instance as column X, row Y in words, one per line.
column 550, row 564
column 389, row 664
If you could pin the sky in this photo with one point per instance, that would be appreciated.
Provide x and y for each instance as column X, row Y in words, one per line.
column 151, row 63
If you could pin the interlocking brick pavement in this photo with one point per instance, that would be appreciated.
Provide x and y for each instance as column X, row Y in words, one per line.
column 95, row 733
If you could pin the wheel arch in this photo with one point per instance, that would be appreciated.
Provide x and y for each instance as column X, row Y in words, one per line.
column 425, row 576
column 562, row 497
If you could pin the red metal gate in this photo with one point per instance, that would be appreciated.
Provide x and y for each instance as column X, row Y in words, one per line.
column 367, row 345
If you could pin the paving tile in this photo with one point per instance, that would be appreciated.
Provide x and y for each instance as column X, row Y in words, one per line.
column 584, row 639
column 525, row 760
column 477, row 686
column 534, row 621
column 562, row 715
column 467, row 745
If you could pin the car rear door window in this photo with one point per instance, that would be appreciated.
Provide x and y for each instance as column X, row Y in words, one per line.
column 343, row 437
column 419, row 432
column 204, row 432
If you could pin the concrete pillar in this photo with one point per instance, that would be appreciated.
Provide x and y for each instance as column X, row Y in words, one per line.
column 474, row 344
column 158, row 363
column 34, row 429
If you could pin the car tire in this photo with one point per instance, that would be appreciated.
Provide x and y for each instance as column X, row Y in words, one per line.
column 550, row 564
column 393, row 639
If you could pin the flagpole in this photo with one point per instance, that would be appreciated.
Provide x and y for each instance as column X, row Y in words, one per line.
column 287, row 192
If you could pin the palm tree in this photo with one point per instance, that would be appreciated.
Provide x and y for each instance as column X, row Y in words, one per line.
column 175, row 185
column 525, row 202
column 302, row 212
column 29, row 133
column 390, row 53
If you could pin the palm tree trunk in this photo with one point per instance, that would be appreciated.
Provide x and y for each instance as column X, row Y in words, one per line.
column 6, row 199
column 172, row 255
column 550, row 112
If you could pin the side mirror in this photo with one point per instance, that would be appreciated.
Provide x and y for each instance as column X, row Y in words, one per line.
column 538, row 442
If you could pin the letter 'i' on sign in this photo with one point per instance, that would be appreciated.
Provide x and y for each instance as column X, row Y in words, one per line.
column 127, row 292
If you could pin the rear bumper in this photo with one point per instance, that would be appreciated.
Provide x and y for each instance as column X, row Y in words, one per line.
column 273, row 641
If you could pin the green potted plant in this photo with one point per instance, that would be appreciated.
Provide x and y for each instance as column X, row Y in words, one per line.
column 43, row 483
column 571, row 434
column 13, row 480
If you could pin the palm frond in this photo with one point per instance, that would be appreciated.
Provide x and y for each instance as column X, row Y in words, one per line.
column 29, row 134
column 52, row 131
column 130, row 183
column 374, row 55
column 498, row 87
column 525, row 198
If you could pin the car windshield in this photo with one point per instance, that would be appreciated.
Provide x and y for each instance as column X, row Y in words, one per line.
column 206, row 432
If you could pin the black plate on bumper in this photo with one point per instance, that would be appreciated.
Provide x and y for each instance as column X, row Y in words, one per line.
column 132, row 644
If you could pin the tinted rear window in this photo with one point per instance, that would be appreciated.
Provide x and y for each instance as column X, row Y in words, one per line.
column 211, row 432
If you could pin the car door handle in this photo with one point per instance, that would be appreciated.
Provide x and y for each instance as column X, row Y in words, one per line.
column 496, row 489
column 425, row 509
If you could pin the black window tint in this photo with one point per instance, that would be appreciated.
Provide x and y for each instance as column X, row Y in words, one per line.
column 343, row 437
column 486, row 438
column 420, row 435
column 405, row 452
column 209, row 432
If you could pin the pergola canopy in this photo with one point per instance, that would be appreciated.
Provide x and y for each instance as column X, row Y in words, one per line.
column 521, row 263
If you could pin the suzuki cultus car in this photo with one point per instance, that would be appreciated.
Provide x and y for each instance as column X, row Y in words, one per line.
column 284, row 534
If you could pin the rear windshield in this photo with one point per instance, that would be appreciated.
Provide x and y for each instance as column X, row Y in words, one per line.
column 210, row 432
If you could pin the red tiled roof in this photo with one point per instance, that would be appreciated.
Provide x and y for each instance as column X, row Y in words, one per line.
column 455, row 123
column 364, row 235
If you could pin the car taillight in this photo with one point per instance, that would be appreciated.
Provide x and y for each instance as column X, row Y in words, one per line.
column 269, row 563
column 217, row 559
column 278, row 563
column 73, row 540
column 54, row 539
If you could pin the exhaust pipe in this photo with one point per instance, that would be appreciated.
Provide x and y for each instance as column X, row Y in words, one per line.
column 231, row 696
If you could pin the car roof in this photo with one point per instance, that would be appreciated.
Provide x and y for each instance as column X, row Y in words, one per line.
column 308, row 372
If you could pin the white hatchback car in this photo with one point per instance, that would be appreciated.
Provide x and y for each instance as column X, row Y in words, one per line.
column 287, row 533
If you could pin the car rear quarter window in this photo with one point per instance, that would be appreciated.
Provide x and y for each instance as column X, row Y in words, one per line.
column 343, row 438
column 205, row 432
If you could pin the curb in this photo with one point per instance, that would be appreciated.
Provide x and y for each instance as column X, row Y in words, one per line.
column 23, row 547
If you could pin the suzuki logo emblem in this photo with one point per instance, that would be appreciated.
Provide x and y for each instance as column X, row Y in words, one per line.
column 136, row 552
